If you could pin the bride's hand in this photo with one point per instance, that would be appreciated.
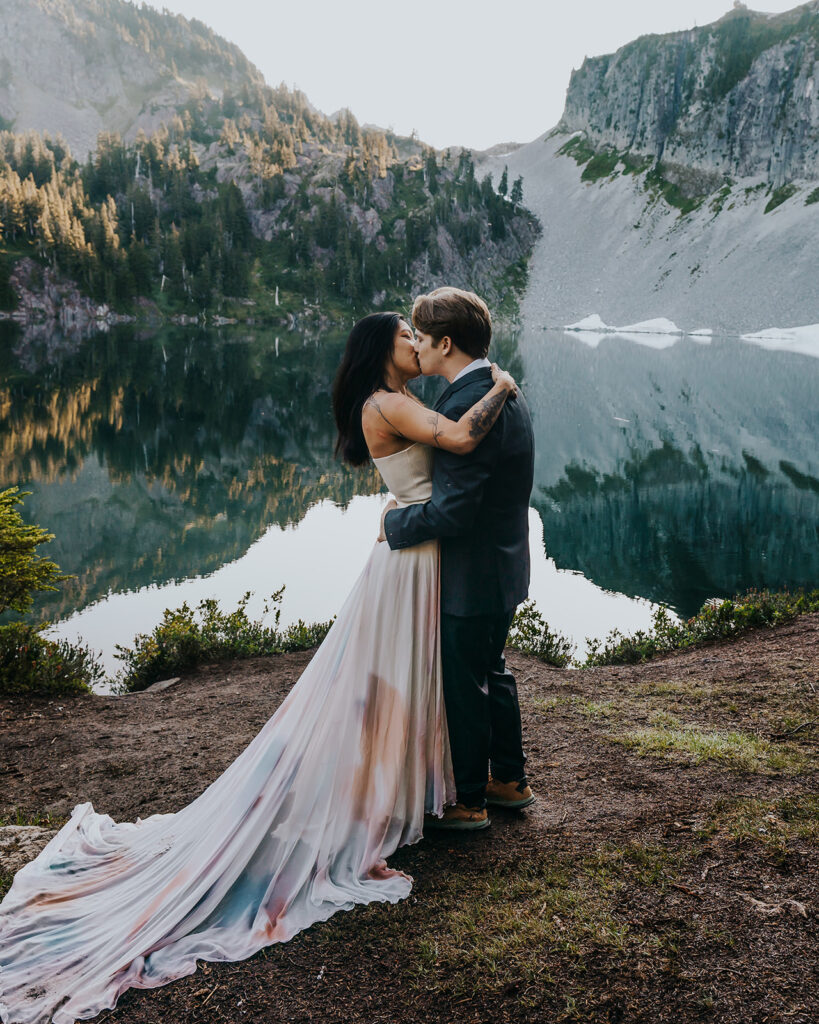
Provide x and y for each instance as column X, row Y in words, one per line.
column 391, row 504
column 504, row 378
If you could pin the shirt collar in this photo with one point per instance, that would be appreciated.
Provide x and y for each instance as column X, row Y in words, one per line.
column 476, row 364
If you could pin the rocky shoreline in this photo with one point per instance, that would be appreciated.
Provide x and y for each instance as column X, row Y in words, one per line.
column 47, row 298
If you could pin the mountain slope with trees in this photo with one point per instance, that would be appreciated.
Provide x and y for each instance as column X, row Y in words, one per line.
column 245, row 197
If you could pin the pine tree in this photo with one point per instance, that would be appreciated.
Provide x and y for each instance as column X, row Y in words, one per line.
column 22, row 570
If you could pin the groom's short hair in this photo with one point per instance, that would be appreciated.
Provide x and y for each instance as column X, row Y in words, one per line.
column 463, row 316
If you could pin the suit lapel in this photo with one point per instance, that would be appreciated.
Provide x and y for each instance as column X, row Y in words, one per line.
column 462, row 382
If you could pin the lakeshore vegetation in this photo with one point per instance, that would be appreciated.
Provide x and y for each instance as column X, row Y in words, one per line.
column 188, row 637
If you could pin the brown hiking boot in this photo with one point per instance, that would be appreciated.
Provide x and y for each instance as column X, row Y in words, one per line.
column 459, row 819
column 512, row 795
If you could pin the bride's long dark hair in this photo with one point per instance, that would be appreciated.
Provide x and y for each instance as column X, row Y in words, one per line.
column 369, row 344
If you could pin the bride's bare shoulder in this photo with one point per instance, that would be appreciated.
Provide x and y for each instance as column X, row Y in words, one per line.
column 382, row 403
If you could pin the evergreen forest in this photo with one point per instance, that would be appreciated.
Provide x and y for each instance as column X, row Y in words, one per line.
column 255, row 200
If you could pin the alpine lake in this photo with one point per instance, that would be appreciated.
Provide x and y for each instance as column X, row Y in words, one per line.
column 179, row 464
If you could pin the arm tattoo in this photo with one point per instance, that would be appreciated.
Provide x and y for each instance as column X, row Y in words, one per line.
column 374, row 403
column 437, row 430
column 482, row 419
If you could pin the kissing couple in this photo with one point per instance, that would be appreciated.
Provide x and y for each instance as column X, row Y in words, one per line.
column 405, row 716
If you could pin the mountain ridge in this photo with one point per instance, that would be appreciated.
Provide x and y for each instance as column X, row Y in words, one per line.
column 107, row 66
column 736, row 97
column 674, row 222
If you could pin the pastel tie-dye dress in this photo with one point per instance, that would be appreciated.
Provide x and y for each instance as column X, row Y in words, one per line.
column 297, row 828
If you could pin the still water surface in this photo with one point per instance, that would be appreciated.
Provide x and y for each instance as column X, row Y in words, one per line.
column 185, row 464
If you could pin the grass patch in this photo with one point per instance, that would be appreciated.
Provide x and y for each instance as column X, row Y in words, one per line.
column 580, row 706
column 671, row 193
column 719, row 200
column 601, row 165
column 184, row 639
column 41, row 819
column 579, row 149
column 779, row 196
column 516, row 925
column 773, row 823
column 548, row 705
column 635, row 163
column 20, row 816
column 813, row 197
column 739, row 751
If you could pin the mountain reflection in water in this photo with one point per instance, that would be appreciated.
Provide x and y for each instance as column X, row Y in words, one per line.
column 673, row 474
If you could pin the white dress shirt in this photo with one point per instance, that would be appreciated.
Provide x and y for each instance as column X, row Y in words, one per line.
column 476, row 364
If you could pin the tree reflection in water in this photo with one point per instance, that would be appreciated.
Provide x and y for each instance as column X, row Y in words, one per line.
column 674, row 474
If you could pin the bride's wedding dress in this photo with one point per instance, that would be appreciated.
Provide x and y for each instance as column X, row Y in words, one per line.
column 295, row 829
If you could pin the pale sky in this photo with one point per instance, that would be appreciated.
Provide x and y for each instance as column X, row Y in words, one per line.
column 460, row 72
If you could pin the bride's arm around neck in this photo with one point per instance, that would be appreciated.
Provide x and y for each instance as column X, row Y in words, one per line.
column 390, row 419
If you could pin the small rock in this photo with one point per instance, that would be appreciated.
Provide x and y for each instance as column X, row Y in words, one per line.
column 163, row 684
column 21, row 843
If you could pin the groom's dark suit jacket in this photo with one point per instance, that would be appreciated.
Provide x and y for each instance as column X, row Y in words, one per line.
column 479, row 508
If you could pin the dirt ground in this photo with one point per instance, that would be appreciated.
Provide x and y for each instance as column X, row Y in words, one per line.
column 669, row 870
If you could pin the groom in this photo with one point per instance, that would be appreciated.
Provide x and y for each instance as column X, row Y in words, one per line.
column 479, row 510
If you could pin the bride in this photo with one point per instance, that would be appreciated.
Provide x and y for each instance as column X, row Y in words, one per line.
column 299, row 825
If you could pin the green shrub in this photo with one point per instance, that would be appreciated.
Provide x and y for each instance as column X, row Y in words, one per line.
column 530, row 634
column 813, row 197
column 32, row 664
column 185, row 639
column 778, row 196
column 716, row 620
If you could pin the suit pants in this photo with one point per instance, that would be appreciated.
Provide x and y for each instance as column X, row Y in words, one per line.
column 481, row 697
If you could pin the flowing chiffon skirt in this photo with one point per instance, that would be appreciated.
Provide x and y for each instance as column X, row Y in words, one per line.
column 295, row 829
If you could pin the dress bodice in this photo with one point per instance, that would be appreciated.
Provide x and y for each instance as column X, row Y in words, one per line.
column 408, row 474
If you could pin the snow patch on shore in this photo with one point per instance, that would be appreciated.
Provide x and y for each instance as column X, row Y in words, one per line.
column 802, row 340
column 589, row 323
column 660, row 325
column 657, row 333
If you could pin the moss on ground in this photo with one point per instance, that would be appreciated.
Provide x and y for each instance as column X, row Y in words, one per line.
column 740, row 751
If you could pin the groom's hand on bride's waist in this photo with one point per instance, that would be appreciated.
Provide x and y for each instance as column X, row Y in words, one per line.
column 391, row 504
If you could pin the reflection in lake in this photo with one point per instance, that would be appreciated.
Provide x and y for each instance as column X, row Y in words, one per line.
column 672, row 474
column 676, row 474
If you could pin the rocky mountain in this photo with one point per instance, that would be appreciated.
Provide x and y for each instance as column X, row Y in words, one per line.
column 81, row 67
column 681, row 181
column 739, row 97
column 209, row 190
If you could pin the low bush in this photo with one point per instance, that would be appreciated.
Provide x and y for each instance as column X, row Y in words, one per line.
column 779, row 196
column 187, row 637
column 716, row 620
column 32, row 664
column 530, row 634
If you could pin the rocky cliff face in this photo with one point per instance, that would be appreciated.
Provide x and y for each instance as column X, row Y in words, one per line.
column 681, row 181
column 80, row 67
column 739, row 97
